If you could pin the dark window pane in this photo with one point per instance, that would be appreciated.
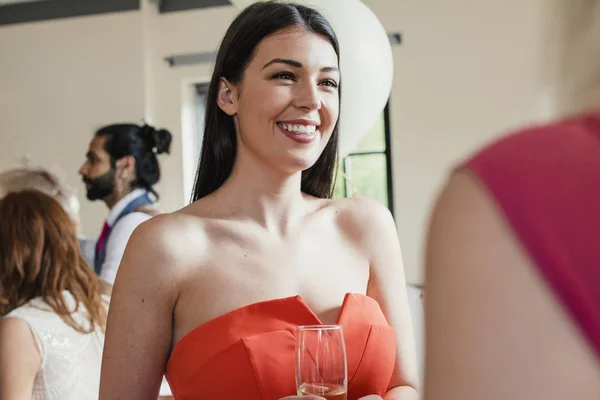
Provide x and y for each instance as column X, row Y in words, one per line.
column 374, row 140
column 368, row 175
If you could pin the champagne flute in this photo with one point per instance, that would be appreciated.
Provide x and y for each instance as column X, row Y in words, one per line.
column 321, row 362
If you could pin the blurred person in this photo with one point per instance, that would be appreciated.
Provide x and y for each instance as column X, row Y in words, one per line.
column 213, row 293
column 51, row 306
column 513, row 273
column 121, row 169
column 18, row 179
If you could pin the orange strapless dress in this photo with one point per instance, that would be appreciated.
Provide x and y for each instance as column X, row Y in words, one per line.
column 249, row 353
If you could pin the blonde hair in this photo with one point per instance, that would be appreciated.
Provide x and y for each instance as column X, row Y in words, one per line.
column 574, row 37
column 19, row 179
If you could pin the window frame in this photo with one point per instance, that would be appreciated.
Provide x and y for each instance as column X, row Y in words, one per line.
column 388, row 160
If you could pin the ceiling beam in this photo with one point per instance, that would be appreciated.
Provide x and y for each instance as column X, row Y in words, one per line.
column 183, row 5
column 55, row 9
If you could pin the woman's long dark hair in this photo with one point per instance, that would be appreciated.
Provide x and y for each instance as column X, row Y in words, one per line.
column 237, row 49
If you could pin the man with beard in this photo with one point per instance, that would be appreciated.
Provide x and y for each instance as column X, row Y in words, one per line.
column 121, row 168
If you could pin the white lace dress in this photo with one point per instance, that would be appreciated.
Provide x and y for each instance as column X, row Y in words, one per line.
column 71, row 360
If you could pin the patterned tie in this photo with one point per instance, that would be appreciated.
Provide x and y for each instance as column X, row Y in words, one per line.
column 102, row 238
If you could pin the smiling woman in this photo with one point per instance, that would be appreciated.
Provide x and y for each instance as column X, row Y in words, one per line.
column 220, row 142
column 212, row 294
column 300, row 130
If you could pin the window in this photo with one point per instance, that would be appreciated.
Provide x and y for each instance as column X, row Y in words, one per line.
column 192, row 132
column 366, row 171
column 200, row 114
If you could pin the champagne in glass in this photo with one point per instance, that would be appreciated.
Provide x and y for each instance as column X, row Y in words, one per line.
column 321, row 362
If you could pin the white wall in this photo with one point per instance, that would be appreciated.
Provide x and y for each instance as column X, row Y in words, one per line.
column 467, row 70
column 59, row 80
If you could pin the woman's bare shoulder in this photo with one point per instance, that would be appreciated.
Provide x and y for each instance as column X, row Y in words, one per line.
column 362, row 216
column 178, row 239
column 366, row 223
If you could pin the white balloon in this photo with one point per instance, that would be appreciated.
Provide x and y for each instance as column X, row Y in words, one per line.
column 366, row 64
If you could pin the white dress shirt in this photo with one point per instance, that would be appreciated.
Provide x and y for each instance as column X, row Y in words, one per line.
column 120, row 234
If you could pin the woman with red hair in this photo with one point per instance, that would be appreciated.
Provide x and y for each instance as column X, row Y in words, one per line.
column 53, row 313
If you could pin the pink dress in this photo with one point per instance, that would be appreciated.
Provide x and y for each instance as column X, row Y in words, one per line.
column 546, row 181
